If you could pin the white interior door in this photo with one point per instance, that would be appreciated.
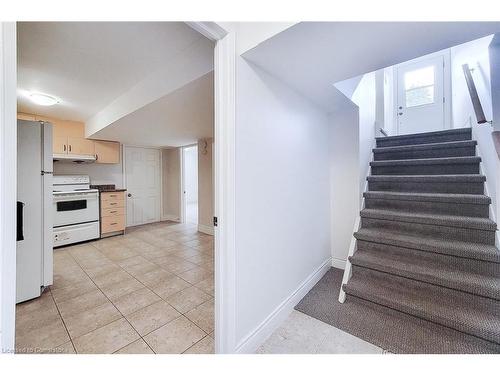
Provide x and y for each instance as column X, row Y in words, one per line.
column 421, row 96
column 142, row 181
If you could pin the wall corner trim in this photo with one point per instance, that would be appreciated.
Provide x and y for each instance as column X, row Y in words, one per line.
column 170, row 217
column 207, row 229
column 260, row 334
column 339, row 263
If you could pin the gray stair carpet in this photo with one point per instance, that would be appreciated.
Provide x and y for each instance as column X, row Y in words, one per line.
column 426, row 271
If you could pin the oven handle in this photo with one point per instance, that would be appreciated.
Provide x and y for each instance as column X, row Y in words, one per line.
column 64, row 197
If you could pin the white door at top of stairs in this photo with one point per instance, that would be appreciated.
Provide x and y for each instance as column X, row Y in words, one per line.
column 421, row 91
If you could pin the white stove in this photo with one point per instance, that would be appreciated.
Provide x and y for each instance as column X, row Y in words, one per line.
column 76, row 210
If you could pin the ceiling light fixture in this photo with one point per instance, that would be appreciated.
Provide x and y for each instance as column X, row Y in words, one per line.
column 43, row 99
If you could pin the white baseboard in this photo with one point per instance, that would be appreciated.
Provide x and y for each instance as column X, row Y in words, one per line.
column 338, row 263
column 207, row 229
column 256, row 338
column 168, row 217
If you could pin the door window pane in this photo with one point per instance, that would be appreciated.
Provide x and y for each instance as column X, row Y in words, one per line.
column 419, row 86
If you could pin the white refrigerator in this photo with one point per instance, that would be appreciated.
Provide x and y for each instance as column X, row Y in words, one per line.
column 34, row 269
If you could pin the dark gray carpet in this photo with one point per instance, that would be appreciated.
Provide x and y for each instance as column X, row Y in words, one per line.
column 387, row 328
column 426, row 274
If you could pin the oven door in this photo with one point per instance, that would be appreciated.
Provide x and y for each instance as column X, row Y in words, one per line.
column 75, row 208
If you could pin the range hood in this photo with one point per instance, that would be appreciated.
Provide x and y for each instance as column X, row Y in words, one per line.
column 74, row 158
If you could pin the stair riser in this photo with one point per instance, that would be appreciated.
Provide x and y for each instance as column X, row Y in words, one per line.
column 488, row 269
column 459, row 209
column 424, row 154
column 428, row 187
column 386, row 301
column 426, row 169
column 437, row 231
column 389, row 240
column 418, row 140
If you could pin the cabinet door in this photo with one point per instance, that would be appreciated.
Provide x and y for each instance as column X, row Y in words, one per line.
column 80, row 146
column 107, row 152
column 60, row 145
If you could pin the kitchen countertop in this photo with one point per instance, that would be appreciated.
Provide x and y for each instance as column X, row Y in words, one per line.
column 107, row 188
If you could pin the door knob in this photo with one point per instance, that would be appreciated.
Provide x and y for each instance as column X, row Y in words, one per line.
column 129, row 195
column 400, row 113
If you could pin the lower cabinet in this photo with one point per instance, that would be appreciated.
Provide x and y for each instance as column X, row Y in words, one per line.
column 113, row 215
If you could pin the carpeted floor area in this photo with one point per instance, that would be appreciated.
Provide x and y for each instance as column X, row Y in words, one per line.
column 387, row 328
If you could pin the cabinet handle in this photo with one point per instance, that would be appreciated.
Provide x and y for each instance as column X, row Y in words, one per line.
column 113, row 212
column 112, row 204
column 69, row 148
column 113, row 223
column 64, row 148
column 96, row 157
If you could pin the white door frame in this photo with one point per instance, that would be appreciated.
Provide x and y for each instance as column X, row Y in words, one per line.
column 446, row 86
column 160, row 172
column 8, row 184
column 224, row 157
column 183, row 182
column 224, row 178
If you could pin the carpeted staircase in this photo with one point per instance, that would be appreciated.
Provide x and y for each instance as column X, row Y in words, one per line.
column 426, row 250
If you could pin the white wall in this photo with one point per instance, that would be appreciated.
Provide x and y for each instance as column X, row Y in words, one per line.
column 251, row 34
column 282, row 200
column 205, row 185
column 353, row 138
column 475, row 54
column 191, row 174
column 171, row 183
column 389, row 102
column 344, row 174
column 100, row 174
column 8, row 160
column 494, row 52
column 365, row 98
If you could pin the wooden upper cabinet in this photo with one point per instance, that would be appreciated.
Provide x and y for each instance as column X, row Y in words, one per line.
column 68, row 137
column 80, row 146
column 59, row 145
column 25, row 116
column 107, row 152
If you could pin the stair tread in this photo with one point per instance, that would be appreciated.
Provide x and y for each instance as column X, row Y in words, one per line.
column 428, row 161
column 431, row 219
column 463, row 311
column 429, row 178
column 371, row 322
column 425, row 270
column 420, row 135
column 430, row 197
column 463, row 249
column 424, row 146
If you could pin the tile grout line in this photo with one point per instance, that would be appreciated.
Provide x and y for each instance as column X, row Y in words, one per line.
column 96, row 306
column 181, row 314
column 62, row 320
column 146, row 287
column 123, row 315
column 161, row 298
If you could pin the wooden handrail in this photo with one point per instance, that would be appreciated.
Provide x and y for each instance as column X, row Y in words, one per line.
column 476, row 103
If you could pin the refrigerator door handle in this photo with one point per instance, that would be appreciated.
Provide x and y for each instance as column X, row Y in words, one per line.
column 20, row 221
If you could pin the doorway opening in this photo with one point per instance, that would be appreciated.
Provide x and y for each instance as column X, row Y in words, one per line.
column 190, row 184
column 422, row 91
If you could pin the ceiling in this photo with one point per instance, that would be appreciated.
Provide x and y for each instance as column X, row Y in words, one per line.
column 87, row 65
column 177, row 119
column 312, row 56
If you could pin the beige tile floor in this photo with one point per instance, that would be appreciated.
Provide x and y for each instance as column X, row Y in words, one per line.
column 148, row 291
